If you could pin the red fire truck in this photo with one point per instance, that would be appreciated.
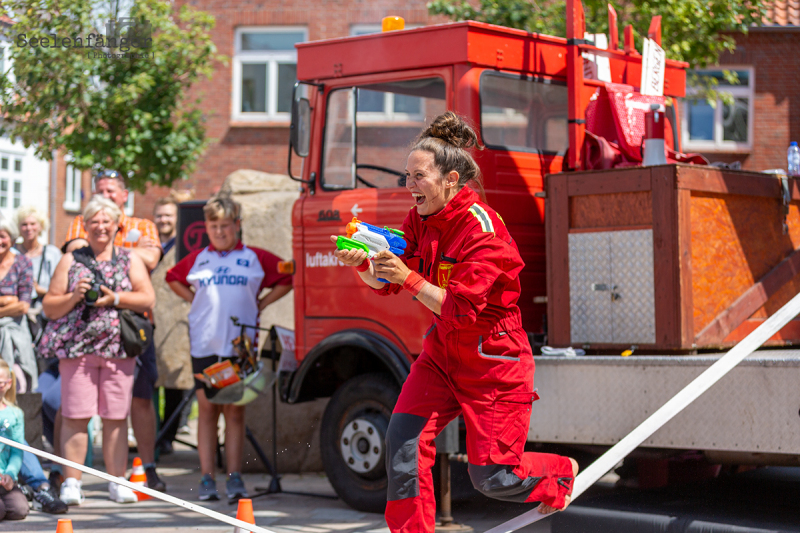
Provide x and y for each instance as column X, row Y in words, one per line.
column 359, row 103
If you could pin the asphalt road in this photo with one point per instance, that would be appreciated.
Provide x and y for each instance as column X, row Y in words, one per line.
column 759, row 501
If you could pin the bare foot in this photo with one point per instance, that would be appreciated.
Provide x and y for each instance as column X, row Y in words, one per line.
column 546, row 509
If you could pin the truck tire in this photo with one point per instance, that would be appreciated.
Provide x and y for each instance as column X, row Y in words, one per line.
column 352, row 440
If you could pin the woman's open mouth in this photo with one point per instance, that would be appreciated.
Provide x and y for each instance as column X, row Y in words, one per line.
column 419, row 198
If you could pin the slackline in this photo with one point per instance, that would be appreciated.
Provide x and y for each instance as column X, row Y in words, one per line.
column 150, row 492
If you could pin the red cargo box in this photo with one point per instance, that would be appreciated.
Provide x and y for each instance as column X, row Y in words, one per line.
column 669, row 258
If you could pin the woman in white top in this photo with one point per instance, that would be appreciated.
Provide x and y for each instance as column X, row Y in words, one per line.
column 32, row 223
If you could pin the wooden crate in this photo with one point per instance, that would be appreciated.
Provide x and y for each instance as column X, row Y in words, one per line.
column 721, row 261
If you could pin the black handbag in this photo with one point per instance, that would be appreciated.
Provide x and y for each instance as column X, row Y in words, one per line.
column 136, row 330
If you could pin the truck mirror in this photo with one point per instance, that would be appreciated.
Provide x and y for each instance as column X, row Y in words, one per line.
column 300, row 127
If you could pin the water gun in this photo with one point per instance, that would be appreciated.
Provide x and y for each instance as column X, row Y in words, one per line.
column 371, row 239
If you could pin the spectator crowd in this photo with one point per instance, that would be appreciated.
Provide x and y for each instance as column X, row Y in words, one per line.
column 63, row 314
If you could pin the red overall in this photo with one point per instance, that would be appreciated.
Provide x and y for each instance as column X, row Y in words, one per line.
column 475, row 361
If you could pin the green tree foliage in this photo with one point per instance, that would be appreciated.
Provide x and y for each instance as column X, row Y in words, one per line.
column 695, row 31
column 126, row 113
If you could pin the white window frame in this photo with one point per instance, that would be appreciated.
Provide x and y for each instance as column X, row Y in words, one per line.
column 718, row 144
column 73, row 188
column 272, row 59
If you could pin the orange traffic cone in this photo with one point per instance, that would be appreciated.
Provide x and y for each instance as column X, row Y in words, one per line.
column 245, row 514
column 138, row 477
column 64, row 525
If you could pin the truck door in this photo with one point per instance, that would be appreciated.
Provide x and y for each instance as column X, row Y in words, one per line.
column 369, row 124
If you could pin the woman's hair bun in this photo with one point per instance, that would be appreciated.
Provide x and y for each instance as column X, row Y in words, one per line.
column 451, row 129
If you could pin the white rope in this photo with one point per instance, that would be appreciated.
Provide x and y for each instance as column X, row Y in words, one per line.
column 690, row 393
column 150, row 492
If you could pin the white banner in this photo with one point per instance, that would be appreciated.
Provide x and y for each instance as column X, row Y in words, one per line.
column 654, row 62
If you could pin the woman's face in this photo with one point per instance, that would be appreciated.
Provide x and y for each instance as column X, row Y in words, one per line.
column 223, row 233
column 30, row 229
column 100, row 229
column 5, row 242
column 431, row 190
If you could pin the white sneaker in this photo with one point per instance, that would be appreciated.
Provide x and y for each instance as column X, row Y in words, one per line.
column 71, row 492
column 121, row 494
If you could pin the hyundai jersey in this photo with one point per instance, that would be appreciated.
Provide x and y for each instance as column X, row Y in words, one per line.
column 226, row 284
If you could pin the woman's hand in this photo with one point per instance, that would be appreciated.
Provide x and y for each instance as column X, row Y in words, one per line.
column 390, row 267
column 107, row 299
column 6, row 481
column 80, row 291
column 350, row 258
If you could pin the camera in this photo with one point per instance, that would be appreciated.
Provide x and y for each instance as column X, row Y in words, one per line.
column 93, row 293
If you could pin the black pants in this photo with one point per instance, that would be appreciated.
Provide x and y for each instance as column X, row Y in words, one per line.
column 172, row 399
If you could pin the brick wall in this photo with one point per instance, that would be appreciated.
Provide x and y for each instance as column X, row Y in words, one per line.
column 773, row 53
column 235, row 146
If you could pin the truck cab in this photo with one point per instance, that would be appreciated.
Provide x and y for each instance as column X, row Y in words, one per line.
column 359, row 104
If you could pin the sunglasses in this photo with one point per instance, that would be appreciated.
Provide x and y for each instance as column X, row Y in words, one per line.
column 113, row 174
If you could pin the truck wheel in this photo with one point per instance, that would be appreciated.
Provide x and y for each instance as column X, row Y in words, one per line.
column 352, row 440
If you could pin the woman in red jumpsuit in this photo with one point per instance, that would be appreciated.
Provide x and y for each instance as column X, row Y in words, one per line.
column 476, row 359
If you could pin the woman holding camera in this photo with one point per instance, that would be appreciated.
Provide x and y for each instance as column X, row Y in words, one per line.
column 84, row 333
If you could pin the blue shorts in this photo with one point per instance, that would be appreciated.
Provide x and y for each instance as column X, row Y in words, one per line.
column 146, row 373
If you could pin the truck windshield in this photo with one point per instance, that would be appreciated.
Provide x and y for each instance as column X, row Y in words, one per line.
column 368, row 130
column 527, row 115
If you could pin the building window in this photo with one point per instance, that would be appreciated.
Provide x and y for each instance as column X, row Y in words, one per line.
column 722, row 126
column 72, row 196
column 3, row 163
column 264, row 72
column 17, row 194
column 3, row 193
column 18, row 165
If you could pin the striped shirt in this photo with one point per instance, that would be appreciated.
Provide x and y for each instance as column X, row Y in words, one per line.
column 146, row 228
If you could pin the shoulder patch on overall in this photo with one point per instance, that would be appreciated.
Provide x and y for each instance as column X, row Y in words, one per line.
column 483, row 218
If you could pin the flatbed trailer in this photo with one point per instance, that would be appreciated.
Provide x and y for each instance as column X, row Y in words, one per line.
column 752, row 416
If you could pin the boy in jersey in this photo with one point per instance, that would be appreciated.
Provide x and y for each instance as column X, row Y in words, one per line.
column 222, row 280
